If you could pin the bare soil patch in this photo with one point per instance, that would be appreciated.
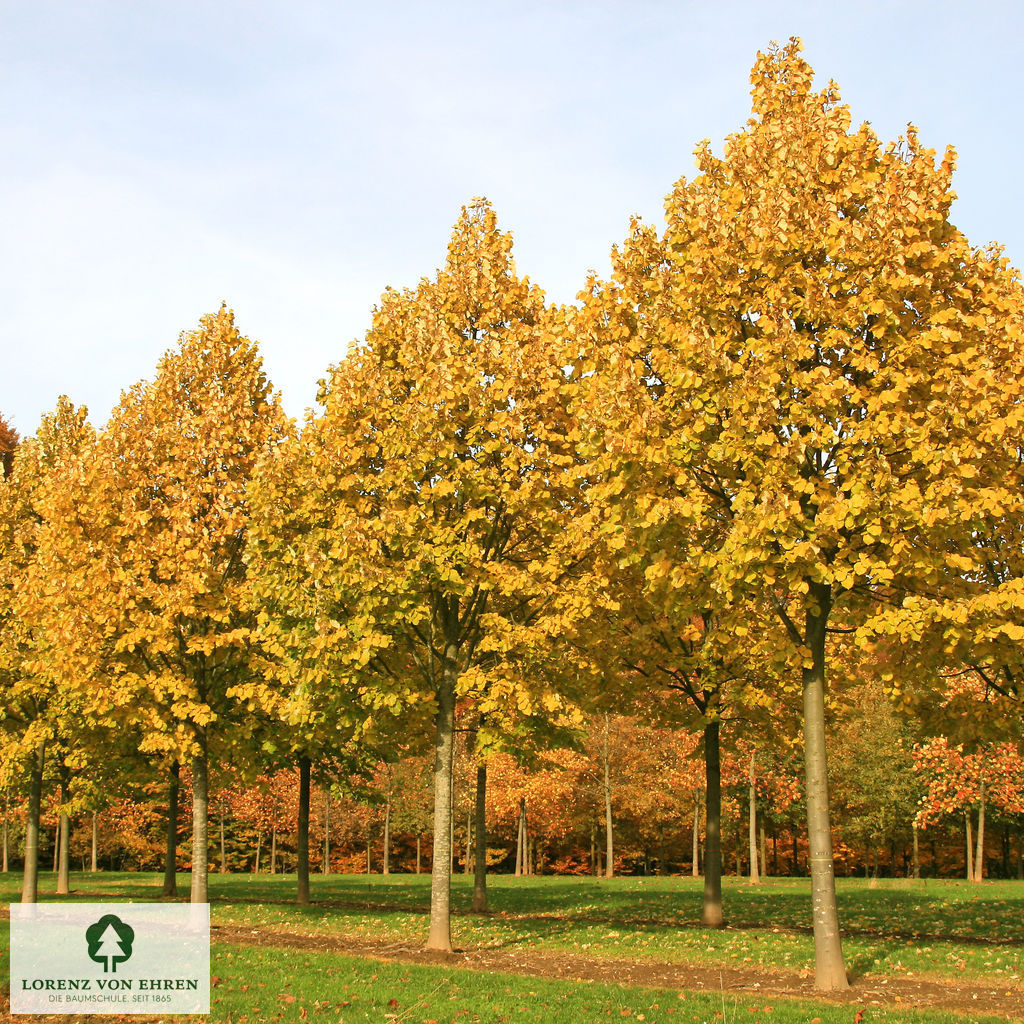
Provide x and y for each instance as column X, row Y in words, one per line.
column 909, row 992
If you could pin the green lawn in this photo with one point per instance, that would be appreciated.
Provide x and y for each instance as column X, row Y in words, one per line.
column 940, row 930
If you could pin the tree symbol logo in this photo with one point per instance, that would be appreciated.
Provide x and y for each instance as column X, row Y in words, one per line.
column 110, row 942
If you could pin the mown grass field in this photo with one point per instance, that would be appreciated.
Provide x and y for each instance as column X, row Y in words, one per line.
column 939, row 930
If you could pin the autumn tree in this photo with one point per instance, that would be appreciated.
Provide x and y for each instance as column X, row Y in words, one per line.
column 38, row 715
column 436, row 512
column 814, row 323
column 152, row 547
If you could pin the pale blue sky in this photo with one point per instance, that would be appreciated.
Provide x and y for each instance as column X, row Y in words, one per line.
column 294, row 159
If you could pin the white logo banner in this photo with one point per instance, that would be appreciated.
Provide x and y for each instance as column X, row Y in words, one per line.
column 151, row 958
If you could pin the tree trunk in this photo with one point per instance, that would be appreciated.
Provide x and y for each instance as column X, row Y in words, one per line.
column 480, row 842
column 273, row 849
column 368, row 862
column 440, row 934
column 417, row 855
column 520, row 835
column 711, row 913
column 387, row 838
column 30, row 878
column 979, row 864
column 223, row 851
column 695, row 861
column 917, row 853
column 171, row 837
column 609, row 853
column 829, row 968
column 970, row 846
column 200, row 822
column 259, row 848
column 302, row 843
column 466, row 868
column 95, row 842
column 64, row 857
column 327, row 831
column 755, row 876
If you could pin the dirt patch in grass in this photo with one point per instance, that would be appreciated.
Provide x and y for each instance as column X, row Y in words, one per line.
column 905, row 992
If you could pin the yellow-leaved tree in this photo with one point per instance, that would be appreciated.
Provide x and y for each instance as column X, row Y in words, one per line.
column 431, row 509
column 40, row 719
column 811, row 324
column 152, row 547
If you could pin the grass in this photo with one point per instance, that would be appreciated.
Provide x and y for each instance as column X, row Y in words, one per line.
column 939, row 930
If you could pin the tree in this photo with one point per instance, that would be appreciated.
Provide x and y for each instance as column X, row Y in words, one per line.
column 811, row 322
column 38, row 714
column 437, row 505
column 152, row 545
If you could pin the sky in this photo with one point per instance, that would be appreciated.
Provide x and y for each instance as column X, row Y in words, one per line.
column 294, row 159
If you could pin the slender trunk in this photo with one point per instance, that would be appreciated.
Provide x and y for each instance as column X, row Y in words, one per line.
column 259, row 848
column 440, row 934
column 368, row 863
column 171, row 837
column 30, row 880
column 327, row 831
column 917, row 853
column 223, row 850
column 979, row 864
column 302, row 844
column 609, row 853
column 829, row 968
column 755, row 876
column 466, row 867
column 519, row 836
column 200, row 821
column 711, row 913
column 970, row 846
column 95, row 842
column 695, row 856
column 593, row 850
column 273, row 849
column 64, row 857
column 417, row 855
column 480, row 842
column 387, row 837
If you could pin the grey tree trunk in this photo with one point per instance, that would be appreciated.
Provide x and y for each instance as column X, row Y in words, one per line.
column 387, row 838
column 755, row 876
column 327, row 831
column 302, row 843
column 979, row 864
column 64, row 858
column 417, row 855
column 520, row 836
column 917, row 854
column 200, row 831
column 223, row 851
column 609, row 838
column 695, row 856
column 440, row 933
column 368, row 865
column 95, row 842
column 970, row 846
column 30, row 877
column 171, row 836
column 259, row 852
column 829, row 967
column 711, row 911
column 480, row 842
column 273, row 849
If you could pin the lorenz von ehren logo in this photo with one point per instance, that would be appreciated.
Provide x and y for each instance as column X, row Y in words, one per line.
column 110, row 942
